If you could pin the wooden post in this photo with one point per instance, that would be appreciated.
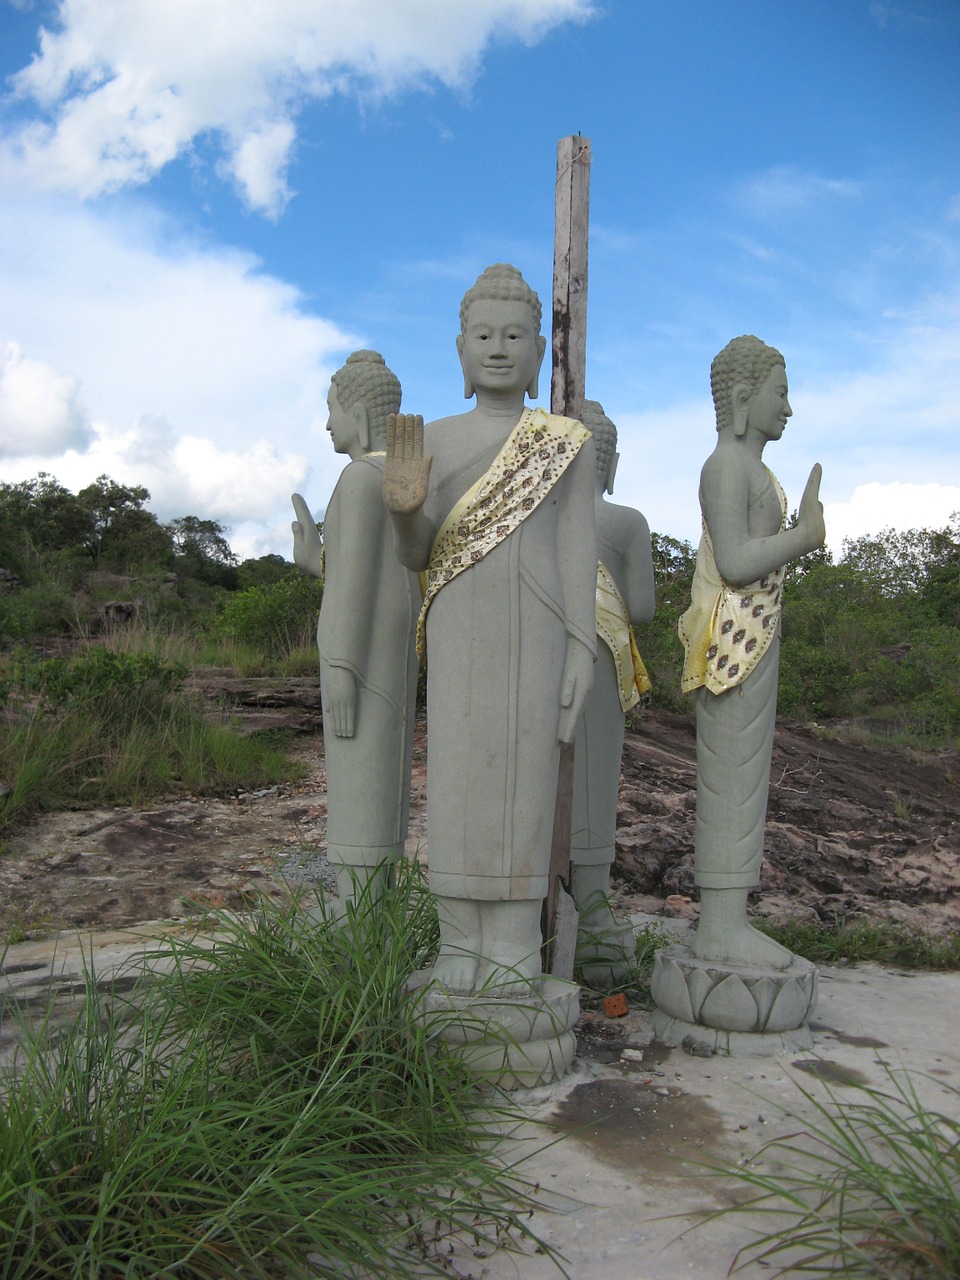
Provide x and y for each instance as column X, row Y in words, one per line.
column 570, row 277
column 566, row 397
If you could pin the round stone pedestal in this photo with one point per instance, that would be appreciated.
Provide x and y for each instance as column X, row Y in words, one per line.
column 519, row 1040
column 732, row 1008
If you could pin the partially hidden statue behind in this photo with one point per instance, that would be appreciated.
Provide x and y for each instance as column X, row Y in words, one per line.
column 624, row 598
column 366, row 634
column 500, row 515
column 731, row 634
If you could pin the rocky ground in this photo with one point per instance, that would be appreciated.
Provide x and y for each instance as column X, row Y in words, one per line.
column 850, row 829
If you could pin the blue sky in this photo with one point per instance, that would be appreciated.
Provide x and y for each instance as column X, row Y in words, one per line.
column 207, row 205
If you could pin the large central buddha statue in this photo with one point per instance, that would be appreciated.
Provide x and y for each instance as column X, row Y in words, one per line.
column 496, row 507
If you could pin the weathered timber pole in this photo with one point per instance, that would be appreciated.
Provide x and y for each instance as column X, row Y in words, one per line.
column 566, row 397
column 570, row 277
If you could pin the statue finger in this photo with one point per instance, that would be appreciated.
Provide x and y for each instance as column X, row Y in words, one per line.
column 392, row 434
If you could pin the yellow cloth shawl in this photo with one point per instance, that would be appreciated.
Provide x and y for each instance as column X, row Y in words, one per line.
column 613, row 628
column 727, row 630
column 532, row 460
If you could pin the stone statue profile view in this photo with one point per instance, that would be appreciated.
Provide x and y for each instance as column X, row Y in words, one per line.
column 735, row 979
column 365, row 634
column 500, row 515
column 731, row 634
column 624, row 598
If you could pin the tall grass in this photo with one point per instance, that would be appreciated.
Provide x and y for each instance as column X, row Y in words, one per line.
column 883, row 942
column 272, row 1110
column 870, row 1189
column 111, row 728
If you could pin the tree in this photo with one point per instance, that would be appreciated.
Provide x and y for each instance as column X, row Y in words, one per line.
column 36, row 517
column 201, row 550
column 122, row 536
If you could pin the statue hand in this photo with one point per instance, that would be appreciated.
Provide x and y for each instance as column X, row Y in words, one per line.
column 307, row 544
column 577, row 682
column 810, row 512
column 407, row 470
column 339, row 700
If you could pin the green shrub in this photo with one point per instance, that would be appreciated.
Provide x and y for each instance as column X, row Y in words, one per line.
column 275, row 618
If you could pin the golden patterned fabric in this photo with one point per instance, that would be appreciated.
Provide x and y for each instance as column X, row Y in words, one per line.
column 613, row 628
column 727, row 630
column 532, row 460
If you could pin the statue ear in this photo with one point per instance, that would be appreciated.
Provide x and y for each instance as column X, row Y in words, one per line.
column 533, row 390
column 611, row 472
column 740, row 400
column 469, row 391
column 361, row 416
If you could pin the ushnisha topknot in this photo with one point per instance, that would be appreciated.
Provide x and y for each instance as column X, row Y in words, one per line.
column 604, row 434
column 745, row 359
column 501, row 283
column 365, row 377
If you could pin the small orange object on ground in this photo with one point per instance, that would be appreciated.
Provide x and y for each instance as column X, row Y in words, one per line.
column 615, row 1006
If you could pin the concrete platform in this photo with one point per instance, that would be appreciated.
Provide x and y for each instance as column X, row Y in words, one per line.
column 620, row 1149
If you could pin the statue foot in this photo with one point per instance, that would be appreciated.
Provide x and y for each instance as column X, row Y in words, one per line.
column 506, row 975
column 742, row 946
column 456, row 972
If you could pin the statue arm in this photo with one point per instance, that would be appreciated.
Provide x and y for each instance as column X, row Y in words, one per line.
column 639, row 594
column 742, row 558
column 405, row 481
column 355, row 545
column 307, row 544
column 577, row 548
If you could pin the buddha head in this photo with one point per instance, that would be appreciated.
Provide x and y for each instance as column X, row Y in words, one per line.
column 605, row 443
column 737, row 374
column 500, row 344
column 364, row 392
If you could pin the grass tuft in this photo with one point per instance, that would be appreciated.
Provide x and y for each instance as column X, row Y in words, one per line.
column 870, row 1189
column 267, row 1109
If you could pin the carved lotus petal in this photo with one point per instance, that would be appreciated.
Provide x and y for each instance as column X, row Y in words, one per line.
column 792, row 1006
column 729, row 1006
column 669, row 988
column 764, row 994
column 700, row 983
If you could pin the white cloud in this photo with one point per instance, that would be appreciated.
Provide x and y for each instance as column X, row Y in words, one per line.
column 204, row 378
column 873, row 507
column 39, row 406
column 125, row 86
column 787, row 189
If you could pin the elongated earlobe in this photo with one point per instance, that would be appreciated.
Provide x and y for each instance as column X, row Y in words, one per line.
column 533, row 390
column 361, row 415
column 740, row 399
column 611, row 472
column 469, row 390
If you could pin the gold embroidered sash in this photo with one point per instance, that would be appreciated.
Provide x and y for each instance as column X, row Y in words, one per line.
column 532, row 460
column 727, row 630
column 613, row 628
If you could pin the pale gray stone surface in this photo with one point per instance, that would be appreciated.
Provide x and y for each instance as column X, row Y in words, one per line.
column 365, row 633
column 623, row 547
column 510, row 648
column 742, row 516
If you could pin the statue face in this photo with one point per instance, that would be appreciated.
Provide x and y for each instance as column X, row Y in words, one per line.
column 500, row 349
column 341, row 425
column 768, row 408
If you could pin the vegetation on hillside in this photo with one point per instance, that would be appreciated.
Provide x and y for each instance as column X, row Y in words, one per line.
column 873, row 638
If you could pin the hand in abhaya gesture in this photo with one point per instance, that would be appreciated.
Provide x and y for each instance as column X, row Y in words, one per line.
column 810, row 513
column 407, row 470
